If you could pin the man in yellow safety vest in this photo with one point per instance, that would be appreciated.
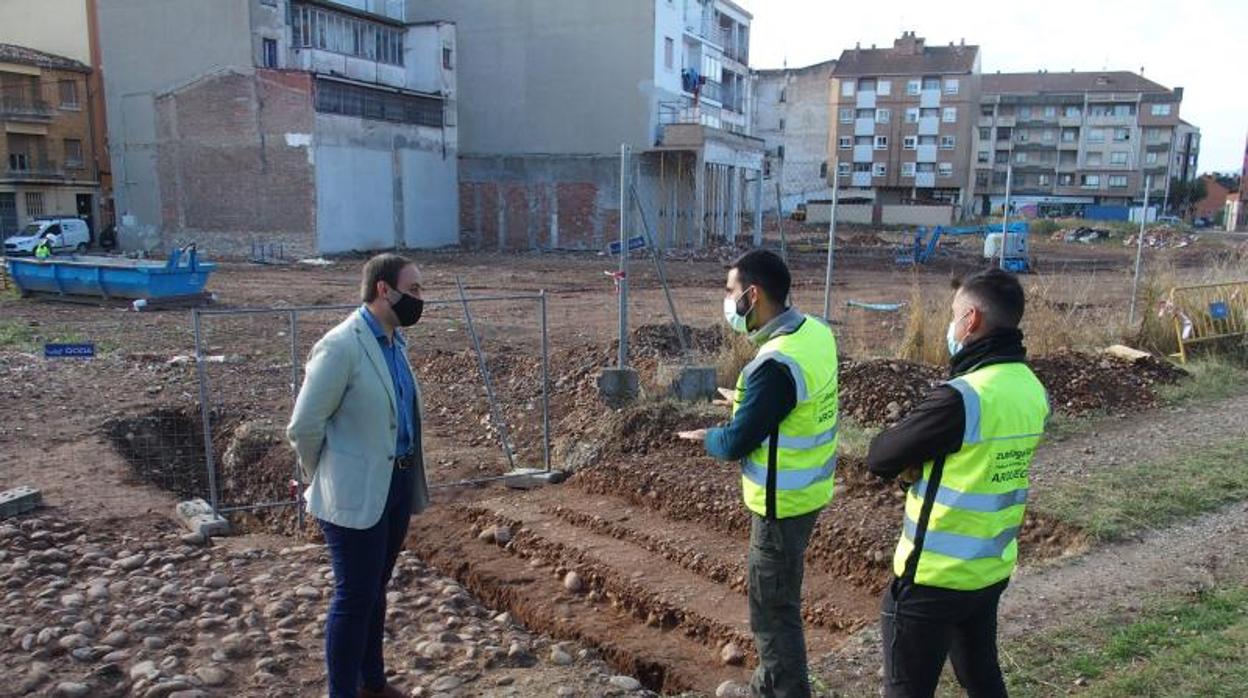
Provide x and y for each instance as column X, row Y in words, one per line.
column 963, row 455
column 783, row 430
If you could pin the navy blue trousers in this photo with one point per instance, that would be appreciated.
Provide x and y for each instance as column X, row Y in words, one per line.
column 363, row 560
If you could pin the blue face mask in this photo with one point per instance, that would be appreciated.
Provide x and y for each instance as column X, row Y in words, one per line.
column 951, row 334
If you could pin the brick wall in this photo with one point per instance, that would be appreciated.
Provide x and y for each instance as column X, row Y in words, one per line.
column 230, row 174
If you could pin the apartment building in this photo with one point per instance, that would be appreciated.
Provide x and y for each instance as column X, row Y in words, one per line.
column 1068, row 141
column 901, row 121
column 67, row 28
column 551, row 89
column 791, row 116
column 46, row 164
column 319, row 126
column 1186, row 152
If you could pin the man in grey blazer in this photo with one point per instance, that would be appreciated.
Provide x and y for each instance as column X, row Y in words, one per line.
column 356, row 429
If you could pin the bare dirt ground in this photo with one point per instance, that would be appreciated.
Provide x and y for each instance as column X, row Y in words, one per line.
column 628, row 577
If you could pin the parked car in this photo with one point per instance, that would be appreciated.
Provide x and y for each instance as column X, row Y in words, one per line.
column 1170, row 220
column 64, row 235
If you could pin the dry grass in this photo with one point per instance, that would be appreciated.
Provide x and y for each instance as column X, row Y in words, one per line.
column 734, row 354
column 1156, row 331
column 927, row 319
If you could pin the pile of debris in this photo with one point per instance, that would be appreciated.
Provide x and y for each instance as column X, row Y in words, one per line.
column 1163, row 238
column 1081, row 234
column 660, row 341
column 881, row 391
column 1080, row 383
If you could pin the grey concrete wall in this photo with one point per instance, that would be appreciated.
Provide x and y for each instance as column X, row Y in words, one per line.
column 149, row 47
column 550, row 76
column 804, row 134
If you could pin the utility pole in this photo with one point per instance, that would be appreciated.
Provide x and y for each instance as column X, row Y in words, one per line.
column 1139, row 250
column 1005, row 212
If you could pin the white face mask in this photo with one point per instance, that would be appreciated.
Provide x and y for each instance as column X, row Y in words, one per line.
column 951, row 340
column 735, row 320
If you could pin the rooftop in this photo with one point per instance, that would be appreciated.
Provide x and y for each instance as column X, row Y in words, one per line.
column 826, row 66
column 909, row 55
column 1042, row 82
column 12, row 53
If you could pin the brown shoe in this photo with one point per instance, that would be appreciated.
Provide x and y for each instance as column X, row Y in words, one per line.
column 387, row 692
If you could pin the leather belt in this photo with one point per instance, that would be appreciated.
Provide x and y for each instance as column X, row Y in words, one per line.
column 407, row 461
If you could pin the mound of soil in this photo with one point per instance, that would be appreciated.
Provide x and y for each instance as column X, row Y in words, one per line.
column 660, row 341
column 1080, row 383
column 881, row 391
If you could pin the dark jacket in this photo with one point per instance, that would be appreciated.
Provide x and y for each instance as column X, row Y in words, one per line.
column 935, row 426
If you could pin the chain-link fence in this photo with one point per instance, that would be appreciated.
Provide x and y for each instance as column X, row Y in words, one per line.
column 484, row 373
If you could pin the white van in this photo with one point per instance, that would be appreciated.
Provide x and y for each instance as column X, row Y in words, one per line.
column 65, row 235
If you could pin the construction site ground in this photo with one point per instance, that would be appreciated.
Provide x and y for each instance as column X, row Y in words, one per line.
column 626, row 578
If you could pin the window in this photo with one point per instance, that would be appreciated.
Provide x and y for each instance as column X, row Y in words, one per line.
column 1042, row 180
column 843, row 142
column 951, row 86
column 912, row 116
column 669, row 57
column 847, row 115
column 879, row 169
column 1050, row 112
column 931, row 83
column 982, row 157
column 866, row 84
column 884, row 88
column 1096, row 135
column 1090, row 181
column 823, row 170
column 862, row 167
column 909, row 142
column 985, row 133
column 268, row 51
column 1065, row 180
column 881, row 142
column 946, row 169
column 782, row 94
column 69, row 94
column 842, row 169
column 927, row 140
column 907, row 169
column 1118, row 158
column 950, row 115
column 1020, row 157
column 866, row 114
column 1124, row 110
column 1072, row 111
column 981, row 179
column 1003, row 156
column 1093, row 159
column 946, row 142
column 73, row 152
column 356, row 100
column 1156, row 135
column 913, row 86
column 847, row 88
column 883, row 116
column 930, row 113
column 1024, row 112
column 1047, row 136
column 1122, row 135
column 448, row 58
column 34, row 203
column 1070, row 135
column 1023, row 136
column 1161, row 110
column 1150, row 158
column 1118, row 181
column 315, row 27
column 781, row 125
column 925, row 167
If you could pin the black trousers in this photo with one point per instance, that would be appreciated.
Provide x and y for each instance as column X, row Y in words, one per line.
column 921, row 626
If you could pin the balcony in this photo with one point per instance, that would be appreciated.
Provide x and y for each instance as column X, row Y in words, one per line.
column 861, row 179
column 1110, row 120
column 866, row 99
column 1006, row 121
column 864, row 126
column 863, row 153
column 1068, row 145
column 929, row 125
column 927, row 153
column 24, row 168
column 1070, row 120
column 925, row 179
column 17, row 109
column 929, row 99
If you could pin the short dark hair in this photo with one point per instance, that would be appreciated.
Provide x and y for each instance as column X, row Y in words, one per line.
column 384, row 267
column 765, row 269
column 998, row 294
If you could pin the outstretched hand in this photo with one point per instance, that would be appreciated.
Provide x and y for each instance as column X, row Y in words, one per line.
column 693, row 435
column 729, row 395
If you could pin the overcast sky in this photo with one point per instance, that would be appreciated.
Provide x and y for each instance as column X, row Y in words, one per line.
column 1198, row 45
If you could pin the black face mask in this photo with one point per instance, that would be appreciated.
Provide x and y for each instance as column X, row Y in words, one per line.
column 408, row 309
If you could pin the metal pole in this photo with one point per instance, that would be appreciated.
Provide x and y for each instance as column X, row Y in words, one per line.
column 827, row 281
column 495, row 416
column 1005, row 212
column 1139, row 250
column 784, row 245
column 622, row 282
column 658, row 267
column 205, row 414
column 294, row 391
column 545, row 384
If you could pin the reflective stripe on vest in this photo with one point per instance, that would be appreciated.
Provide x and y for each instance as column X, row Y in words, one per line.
column 799, row 376
column 804, row 442
column 970, row 402
column 963, row 547
column 789, row 479
column 972, row 501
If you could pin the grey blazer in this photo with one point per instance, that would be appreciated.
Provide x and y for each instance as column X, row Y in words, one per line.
column 344, row 427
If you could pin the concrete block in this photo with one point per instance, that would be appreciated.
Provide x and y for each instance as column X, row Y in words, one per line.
column 532, row 478
column 198, row 517
column 19, row 500
column 689, row 383
column 618, row 386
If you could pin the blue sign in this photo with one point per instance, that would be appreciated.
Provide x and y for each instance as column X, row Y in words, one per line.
column 69, row 351
column 634, row 243
column 1219, row 311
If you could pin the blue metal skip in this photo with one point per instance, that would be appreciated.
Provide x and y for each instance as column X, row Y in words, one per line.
column 109, row 277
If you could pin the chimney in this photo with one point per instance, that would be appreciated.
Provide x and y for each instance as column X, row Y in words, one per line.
column 1178, row 93
column 909, row 44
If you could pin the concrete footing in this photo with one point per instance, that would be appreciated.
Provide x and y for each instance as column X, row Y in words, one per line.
column 618, row 386
column 19, row 500
column 689, row 383
column 198, row 517
column 532, row 478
